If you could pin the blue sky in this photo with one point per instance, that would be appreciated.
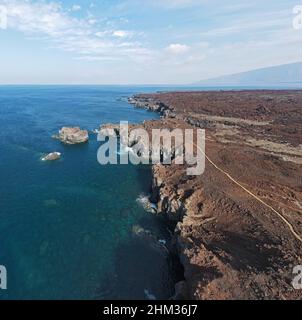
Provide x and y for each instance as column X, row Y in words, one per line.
column 143, row 42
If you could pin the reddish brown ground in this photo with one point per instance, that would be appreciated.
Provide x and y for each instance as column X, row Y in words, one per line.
column 231, row 245
column 283, row 108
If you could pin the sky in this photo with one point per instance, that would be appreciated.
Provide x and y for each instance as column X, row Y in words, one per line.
column 143, row 42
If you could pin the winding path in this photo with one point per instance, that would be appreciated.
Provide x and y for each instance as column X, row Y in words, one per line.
column 290, row 226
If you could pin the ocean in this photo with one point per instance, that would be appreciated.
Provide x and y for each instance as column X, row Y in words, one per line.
column 66, row 227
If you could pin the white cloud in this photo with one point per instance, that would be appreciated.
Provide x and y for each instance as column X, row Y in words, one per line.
column 176, row 4
column 102, row 34
column 82, row 36
column 182, row 58
column 176, row 49
column 160, row 4
column 115, row 33
column 122, row 33
column 98, row 58
column 76, row 7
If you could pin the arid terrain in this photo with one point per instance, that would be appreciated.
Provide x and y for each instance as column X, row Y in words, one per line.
column 239, row 225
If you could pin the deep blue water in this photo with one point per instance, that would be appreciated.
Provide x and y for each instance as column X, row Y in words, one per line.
column 66, row 226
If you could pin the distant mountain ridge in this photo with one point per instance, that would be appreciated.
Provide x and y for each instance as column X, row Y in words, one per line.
column 287, row 74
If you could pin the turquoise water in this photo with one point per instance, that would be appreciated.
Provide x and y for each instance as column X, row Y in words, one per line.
column 66, row 226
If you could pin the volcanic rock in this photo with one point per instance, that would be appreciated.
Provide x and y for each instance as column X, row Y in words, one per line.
column 52, row 156
column 72, row 135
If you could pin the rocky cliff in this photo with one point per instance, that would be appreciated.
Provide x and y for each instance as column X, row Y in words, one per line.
column 238, row 226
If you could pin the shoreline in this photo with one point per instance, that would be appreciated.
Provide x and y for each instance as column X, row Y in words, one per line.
column 171, row 224
column 186, row 206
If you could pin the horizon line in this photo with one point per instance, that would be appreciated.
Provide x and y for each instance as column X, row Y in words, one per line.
column 158, row 85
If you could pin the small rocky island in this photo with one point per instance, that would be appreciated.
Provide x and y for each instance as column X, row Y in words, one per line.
column 72, row 135
column 52, row 156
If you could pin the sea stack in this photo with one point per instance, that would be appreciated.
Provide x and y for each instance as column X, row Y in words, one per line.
column 72, row 135
column 52, row 156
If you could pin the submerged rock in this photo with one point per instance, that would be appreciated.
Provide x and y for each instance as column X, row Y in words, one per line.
column 162, row 242
column 72, row 135
column 149, row 238
column 52, row 156
column 139, row 231
column 145, row 202
column 149, row 295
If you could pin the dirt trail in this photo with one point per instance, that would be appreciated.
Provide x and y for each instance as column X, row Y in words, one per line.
column 290, row 226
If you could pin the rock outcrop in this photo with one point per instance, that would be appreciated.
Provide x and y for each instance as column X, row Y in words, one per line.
column 52, row 156
column 152, row 104
column 72, row 135
column 108, row 129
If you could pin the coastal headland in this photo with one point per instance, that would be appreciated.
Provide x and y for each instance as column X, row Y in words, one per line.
column 238, row 227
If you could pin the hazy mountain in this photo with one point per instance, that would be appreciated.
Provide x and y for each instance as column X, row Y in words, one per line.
column 288, row 74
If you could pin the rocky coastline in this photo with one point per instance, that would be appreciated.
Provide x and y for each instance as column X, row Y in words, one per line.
column 231, row 246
